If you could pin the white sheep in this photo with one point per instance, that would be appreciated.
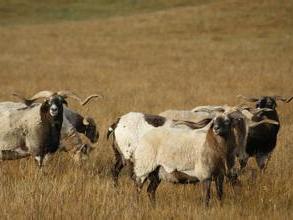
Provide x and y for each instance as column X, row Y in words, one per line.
column 189, row 155
column 129, row 128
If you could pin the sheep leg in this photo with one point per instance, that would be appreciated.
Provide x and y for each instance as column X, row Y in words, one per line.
column 232, row 173
column 261, row 161
column 47, row 157
column 265, row 166
column 243, row 163
column 219, row 185
column 268, row 160
column 154, row 183
column 40, row 160
column 130, row 166
column 116, row 169
column 207, row 191
column 138, row 182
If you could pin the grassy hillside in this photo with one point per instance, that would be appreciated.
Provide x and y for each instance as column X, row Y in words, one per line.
column 33, row 11
column 170, row 57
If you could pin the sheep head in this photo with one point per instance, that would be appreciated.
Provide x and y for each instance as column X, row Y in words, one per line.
column 266, row 101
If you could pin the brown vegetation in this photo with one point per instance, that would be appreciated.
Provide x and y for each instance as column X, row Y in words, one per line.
column 177, row 58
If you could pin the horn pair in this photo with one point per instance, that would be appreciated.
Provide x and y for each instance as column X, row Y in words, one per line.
column 277, row 98
column 47, row 94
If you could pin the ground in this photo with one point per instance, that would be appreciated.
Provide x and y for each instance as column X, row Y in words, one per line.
column 145, row 56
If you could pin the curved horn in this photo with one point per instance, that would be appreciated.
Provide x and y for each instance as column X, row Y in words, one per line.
column 269, row 121
column 38, row 95
column 91, row 97
column 68, row 94
column 289, row 100
column 250, row 99
column 280, row 98
column 219, row 109
column 256, row 111
column 23, row 99
column 194, row 125
column 203, row 110
column 42, row 94
column 210, row 110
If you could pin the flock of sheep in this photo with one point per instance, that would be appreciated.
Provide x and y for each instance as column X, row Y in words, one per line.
column 179, row 146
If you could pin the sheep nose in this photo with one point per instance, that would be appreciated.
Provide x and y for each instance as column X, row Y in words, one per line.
column 54, row 110
column 217, row 130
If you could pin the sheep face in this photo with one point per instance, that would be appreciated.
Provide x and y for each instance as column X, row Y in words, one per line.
column 266, row 102
column 54, row 106
column 221, row 126
column 51, row 113
column 232, row 126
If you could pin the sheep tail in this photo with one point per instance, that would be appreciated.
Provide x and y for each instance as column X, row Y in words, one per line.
column 112, row 128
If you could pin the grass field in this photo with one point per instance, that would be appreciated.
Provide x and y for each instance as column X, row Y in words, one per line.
column 145, row 56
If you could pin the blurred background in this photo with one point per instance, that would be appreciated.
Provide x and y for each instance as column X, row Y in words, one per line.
column 149, row 56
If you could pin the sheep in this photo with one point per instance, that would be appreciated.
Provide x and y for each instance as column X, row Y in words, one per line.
column 205, row 112
column 73, row 122
column 33, row 130
column 187, row 156
column 262, row 139
column 83, row 124
column 69, row 134
column 128, row 129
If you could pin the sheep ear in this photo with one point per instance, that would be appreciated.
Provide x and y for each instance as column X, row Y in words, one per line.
column 45, row 106
column 65, row 102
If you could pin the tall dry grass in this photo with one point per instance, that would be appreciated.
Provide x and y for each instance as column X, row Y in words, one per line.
column 176, row 58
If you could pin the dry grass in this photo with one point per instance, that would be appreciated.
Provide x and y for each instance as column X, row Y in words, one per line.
column 176, row 58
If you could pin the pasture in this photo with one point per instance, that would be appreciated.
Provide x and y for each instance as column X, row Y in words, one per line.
column 145, row 56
